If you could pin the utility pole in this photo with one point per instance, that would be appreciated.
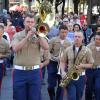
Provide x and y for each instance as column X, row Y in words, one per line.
column 6, row 5
column 89, row 15
column 1, row 6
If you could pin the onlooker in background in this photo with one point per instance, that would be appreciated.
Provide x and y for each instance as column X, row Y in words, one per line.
column 57, row 20
column 70, row 34
column 98, row 21
column 17, row 21
column 65, row 21
column 82, row 18
column 9, row 22
column 5, row 34
column 53, row 32
column 92, row 37
column 11, row 30
column 87, row 32
column 70, row 16
column 75, row 20
column 76, row 27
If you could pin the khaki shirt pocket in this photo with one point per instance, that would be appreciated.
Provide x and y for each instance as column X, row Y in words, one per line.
column 56, row 46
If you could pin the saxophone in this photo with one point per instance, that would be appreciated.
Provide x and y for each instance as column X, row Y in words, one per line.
column 72, row 73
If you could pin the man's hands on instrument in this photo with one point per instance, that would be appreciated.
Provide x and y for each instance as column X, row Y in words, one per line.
column 31, row 33
column 80, row 66
column 63, row 74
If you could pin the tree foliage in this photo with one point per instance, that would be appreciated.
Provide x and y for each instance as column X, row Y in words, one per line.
column 57, row 3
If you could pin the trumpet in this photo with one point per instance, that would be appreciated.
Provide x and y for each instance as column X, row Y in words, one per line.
column 43, row 29
column 40, row 31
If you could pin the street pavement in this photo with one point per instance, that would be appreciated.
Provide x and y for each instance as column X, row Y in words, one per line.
column 6, row 92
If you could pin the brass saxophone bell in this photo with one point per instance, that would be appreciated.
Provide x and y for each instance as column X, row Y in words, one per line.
column 75, row 76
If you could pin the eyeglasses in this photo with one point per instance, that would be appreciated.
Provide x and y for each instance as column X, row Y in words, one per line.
column 76, row 27
column 77, row 36
column 85, row 25
column 30, row 21
column 97, row 39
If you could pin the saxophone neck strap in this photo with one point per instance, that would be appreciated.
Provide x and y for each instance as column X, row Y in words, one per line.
column 74, row 50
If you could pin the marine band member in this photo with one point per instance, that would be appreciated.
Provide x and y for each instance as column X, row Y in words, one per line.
column 55, row 46
column 75, row 87
column 93, row 75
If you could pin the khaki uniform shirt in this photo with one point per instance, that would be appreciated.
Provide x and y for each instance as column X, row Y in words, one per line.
column 68, row 56
column 4, row 48
column 56, row 48
column 29, row 54
column 45, row 55
column 95, row 53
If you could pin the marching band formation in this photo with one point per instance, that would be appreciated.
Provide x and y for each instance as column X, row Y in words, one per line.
column 69, row 50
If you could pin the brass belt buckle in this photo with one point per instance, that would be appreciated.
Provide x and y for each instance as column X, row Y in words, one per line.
column 28, row 68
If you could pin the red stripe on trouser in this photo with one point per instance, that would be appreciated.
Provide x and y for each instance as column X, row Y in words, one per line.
column 2, row 75
column 3, row 69
column 12, row 75
column 0, row 84
column 41, row 73
column 12, row 78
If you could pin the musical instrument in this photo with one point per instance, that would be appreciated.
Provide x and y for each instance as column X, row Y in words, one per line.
column 45, row 9
column 42, row 28
column 60, row 54
column 41, row 31
column 73, row 73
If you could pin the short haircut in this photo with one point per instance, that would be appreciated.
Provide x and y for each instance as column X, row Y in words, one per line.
column 1, row 27
column 97, row 33
column 79, row 32
column 63, row 27
column 29, row 15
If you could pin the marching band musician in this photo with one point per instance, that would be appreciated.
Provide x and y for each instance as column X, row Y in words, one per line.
column 4, row 53
column 70, row 56
column 26, row 75
column 55, row 45
column 93, row 75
